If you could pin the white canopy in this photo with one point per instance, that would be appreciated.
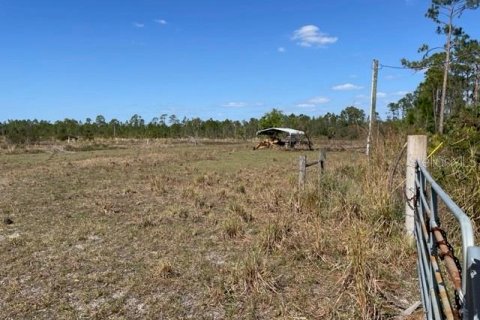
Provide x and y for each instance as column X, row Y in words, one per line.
column 289, row 131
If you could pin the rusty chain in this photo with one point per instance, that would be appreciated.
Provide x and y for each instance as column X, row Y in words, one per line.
column 451, row 254
column 410, row 200
column 441, row 255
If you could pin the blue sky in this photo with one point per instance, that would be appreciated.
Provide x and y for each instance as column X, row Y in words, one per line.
column 233, row 59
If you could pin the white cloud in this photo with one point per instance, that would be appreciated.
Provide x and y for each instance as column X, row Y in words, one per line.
column 281, row 49
column 346, row 86
column 319, row 100
column 401, row 93
column 138, row 25
column 310, row 35
column 234, row 104
column 312, row 102
column 381, row 94
column 161, row 21
column 305, row 105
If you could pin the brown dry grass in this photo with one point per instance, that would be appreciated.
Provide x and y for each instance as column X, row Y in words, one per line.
column 199, row 232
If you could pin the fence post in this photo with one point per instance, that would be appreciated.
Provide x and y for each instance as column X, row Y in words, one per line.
column 416, row 151
column 322, row 158
column 302, row 166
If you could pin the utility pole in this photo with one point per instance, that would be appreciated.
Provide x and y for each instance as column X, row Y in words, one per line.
column 373, row 104
column 477, row 86
column 445, row 71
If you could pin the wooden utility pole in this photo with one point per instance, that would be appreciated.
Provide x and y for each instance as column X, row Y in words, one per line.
column 445, row 71
column 373, row 104
column 477, row 85
column 416, row 151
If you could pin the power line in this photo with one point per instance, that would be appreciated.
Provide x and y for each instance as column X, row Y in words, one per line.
column 398, row 67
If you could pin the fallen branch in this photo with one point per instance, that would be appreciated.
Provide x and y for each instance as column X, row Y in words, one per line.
column 407, row 312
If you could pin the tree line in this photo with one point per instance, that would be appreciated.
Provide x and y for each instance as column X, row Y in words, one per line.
column 350, row 123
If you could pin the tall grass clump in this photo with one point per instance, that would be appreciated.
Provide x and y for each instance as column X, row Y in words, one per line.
column 274, row 233
column 232, row 227
column 456, row 168
column 253, row 273
column 363, row 220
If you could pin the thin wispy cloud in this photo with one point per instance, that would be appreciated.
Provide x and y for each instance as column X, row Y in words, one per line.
column 311, row 36
column 160, row 21
column 313, row 102
column 319, row 100
column 234, row 104
column 381, row 94
column 346, row 87
column 281, row 49
column 400, row 93
column 138, row 25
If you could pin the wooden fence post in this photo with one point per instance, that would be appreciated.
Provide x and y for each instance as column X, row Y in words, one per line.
column 302, row 166
column 416, row 151
column 322, row 158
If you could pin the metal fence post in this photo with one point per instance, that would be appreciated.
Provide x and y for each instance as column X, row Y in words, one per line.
column 416, row 151
column 472, row 295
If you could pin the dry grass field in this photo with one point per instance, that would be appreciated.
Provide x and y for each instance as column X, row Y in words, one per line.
column 163, row 231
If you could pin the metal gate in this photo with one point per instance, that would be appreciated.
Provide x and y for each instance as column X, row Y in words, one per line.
column 459, row 298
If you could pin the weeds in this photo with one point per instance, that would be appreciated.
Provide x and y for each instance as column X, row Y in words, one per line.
column 239, row 210
column 253, row 273
column 232, row 227
column 164, row 269
column 200, row 232
column 274, row 233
